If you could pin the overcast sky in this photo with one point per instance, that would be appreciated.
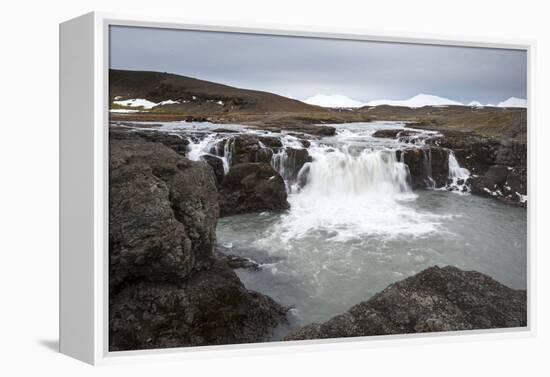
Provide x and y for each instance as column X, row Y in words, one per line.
column 303, row 67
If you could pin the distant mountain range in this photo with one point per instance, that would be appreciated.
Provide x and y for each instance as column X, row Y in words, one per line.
column 420, row 100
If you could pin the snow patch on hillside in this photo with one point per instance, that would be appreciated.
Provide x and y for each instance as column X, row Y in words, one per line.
column 142, row 103
column 137, row 102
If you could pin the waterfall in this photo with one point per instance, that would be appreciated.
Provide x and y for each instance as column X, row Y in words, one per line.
column 458, row 176
column 352, row 194
column 336, row 172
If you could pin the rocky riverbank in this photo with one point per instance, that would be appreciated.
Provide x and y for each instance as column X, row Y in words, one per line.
column 498, row 165
column 172, row 286
column 167, row 287
column 436, row 299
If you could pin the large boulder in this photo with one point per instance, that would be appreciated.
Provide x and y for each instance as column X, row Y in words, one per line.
column 211, row 307
column 272, row 142
column 247, row 148
column 163, row 211
column 436, row 299
column 252, row 187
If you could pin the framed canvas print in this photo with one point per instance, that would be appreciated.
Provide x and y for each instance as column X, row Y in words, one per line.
column 226, row 187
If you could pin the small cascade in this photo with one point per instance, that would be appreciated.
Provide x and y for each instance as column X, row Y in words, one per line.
column 293, row 165
column 227, row 151
column 430, row 183
column 458, row 176
column 200, row 147
column 212, row 145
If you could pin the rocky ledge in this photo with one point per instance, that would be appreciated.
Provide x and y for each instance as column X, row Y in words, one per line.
column 428, row 166
column 498, row 167
column 167, row 286
column 436, row 299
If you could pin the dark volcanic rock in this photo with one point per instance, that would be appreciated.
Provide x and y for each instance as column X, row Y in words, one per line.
column 252, row 187
column 236, row 261
column 390, row 134
column 167, row 287
column 216, row 164
column 211, row 307
column 498, row 167
column 224, row 131
column 247, row 148
column 476, row 153
column 163, row 212
column 436, row 299
column 428, row 166
column 439, row 159
column 305, row 143
column 320, row 130
column 174, row 142
column 273, row 142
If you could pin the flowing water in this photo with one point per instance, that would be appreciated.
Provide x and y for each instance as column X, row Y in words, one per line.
column 355, row 225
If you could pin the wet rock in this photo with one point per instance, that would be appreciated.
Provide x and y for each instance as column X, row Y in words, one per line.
column 428, row 166
column 436, row 299
column 414, row 159
column 216, row 164
column 305, row 143
column 273, row 142
column 439, row 158
column 210, row 307
column 225, row 131
column 252, row 187
column 290, row 163
column 163, row 212
column 236, row 261
column 247, row 148
column 264, row 155
column 408, row 136
column 389, row 134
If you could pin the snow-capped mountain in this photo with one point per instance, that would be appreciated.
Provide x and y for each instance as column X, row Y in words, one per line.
column 420, row 100
column 475, row 104
column 417, row 101
column 333, row 100
column 513, row 102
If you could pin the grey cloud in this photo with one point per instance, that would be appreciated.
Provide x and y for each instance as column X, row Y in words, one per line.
column 303, row 67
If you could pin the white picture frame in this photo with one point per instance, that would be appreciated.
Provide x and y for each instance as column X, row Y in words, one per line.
column 84, row 48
